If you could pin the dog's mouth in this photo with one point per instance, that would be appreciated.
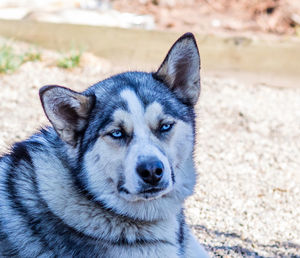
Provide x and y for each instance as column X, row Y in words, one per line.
column 148, row 193
column 152, row 190
column 152, row 193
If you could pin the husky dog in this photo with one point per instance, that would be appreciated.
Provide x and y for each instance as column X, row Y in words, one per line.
column 110, row 177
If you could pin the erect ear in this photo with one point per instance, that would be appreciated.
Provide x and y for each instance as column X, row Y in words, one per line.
column 180, row 70
column 67, row 110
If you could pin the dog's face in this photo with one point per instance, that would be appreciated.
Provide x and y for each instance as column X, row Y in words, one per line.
column 143, row 139
column 133, row 133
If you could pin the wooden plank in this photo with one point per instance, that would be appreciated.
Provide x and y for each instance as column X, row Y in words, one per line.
column 123, row 46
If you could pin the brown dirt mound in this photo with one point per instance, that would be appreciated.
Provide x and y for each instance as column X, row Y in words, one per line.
column 268, row 16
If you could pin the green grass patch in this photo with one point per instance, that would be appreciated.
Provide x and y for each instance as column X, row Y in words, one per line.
column 31, row 56
column 9, row 61
column 70, row 60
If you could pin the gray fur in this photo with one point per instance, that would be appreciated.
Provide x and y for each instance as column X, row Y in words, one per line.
column 72, row 190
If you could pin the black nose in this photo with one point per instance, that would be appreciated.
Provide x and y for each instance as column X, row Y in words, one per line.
column 151, row 170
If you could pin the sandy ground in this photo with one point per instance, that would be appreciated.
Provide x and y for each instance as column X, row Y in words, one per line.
column 247, row 200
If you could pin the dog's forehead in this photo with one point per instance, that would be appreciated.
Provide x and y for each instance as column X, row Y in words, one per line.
column 139, row 91
column 136, row 111
column 134, row 104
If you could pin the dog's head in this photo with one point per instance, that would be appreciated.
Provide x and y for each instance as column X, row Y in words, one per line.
column 133, row 133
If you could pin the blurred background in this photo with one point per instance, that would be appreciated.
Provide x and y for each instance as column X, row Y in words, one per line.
column 247, row 199
column 272, row 16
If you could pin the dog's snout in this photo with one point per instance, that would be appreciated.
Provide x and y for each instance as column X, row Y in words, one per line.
column 150, row 170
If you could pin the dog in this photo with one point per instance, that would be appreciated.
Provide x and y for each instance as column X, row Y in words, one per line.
column 110, row 176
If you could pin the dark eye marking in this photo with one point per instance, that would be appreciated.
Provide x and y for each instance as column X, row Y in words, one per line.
column 166, row 127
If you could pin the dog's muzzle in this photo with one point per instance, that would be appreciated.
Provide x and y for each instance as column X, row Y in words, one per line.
column 150, row 170
column 152, row 180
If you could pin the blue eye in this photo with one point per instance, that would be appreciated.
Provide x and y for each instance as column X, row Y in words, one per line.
column 117, row 134
column 165, row 127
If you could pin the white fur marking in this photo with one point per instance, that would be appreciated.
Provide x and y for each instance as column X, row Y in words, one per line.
column 136, row 110
column 143, row 144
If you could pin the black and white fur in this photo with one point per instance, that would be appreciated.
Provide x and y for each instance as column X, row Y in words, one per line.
column 110, row 177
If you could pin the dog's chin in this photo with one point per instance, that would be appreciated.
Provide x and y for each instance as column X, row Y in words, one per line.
column 145, row 194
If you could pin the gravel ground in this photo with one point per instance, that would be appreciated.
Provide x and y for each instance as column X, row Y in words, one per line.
column 247, row 200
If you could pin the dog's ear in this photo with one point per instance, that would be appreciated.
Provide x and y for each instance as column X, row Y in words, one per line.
column 67, row 111
column 180, row 70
